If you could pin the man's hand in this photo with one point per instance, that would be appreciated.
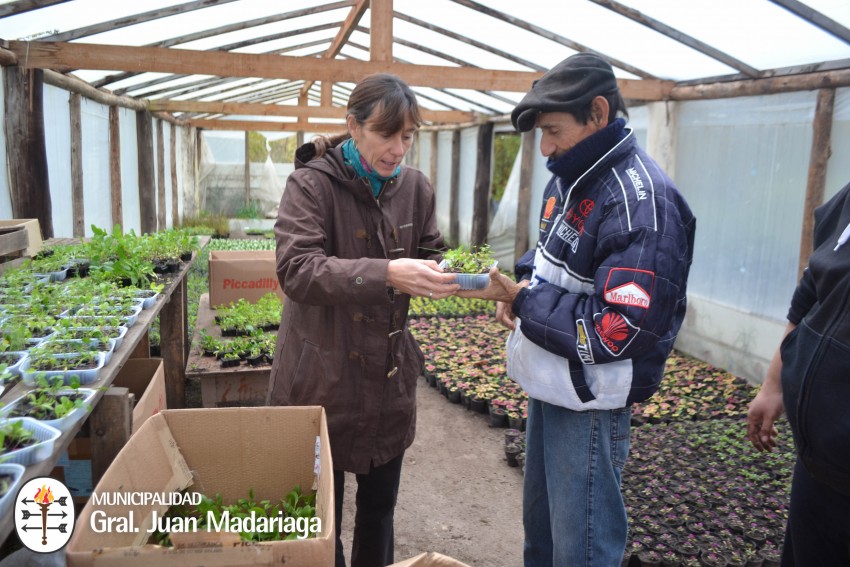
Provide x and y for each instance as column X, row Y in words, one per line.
column 501, row 289
column 764, row 410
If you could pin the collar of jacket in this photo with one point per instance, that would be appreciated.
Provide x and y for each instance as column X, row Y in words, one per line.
column 583, row 155
column 332, row 164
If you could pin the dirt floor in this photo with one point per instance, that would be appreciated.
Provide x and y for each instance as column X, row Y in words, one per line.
column 458, row 496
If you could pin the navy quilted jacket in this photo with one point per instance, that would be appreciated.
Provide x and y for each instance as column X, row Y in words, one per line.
column 608, row 284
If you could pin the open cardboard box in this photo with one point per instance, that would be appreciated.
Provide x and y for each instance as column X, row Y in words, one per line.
column 222, row 450
column 33, row 230
column 238, row 274
column 145, row 378
column 430, row 559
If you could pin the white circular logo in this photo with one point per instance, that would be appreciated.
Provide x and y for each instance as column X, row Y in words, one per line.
column 44, row 514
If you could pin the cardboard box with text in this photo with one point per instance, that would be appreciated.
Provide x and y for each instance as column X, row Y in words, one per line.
column 226, row 451
column 236, row 274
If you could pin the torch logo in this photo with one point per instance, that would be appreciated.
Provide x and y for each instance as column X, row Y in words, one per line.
column 44, row 515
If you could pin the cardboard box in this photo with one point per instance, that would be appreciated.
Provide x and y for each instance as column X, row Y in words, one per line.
column 236, row 274
column 33, row 230
column 430, row 559
column 145, row 378
column 223, row 450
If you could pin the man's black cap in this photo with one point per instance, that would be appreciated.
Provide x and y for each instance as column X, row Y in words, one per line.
column 570, row 84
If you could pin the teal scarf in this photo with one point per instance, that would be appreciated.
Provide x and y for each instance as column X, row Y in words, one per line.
column 363, row 169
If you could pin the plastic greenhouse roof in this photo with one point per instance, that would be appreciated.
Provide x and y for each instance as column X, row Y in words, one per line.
column 687, row 42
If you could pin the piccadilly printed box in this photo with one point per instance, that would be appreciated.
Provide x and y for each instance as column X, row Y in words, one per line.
column 238, row 274
column 226, row 451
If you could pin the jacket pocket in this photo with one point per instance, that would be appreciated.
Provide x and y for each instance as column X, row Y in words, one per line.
column 316, row 381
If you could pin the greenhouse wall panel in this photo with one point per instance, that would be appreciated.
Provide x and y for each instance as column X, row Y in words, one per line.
column 130, row 203
column 742, row 164
column 5, row 194
column 97, row 201
column 838, row 166
column 57, row 141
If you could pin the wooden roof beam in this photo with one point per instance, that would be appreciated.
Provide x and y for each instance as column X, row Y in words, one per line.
column 203, row 34
column 257, row 109
column 522, row 24
column 13, row 8
column 677, row 35
column 110, row 25
column 815, row 18
column 256, row 126
column 342, row 35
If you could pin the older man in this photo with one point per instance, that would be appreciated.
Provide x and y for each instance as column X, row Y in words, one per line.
column 595, row 313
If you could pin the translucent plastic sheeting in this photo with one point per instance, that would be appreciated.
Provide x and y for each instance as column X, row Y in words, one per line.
column 838, row 167
column 130, row 202
column 5, row 194
column 222, row 176
column 443, row 182
column 97, row 196
column 742, row 165
column 466, row 183
column 57, row 136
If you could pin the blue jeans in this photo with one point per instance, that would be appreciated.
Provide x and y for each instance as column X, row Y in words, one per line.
column 573, row 511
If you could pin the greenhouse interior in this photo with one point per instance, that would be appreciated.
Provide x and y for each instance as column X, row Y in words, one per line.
column 147, row 156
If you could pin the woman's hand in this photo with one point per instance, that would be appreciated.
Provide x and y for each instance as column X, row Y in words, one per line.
column 420, row 278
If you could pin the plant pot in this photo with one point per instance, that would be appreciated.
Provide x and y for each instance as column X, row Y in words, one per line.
column 498, row 417
column 230, row 362
column 511, row 452
column 13, row 361
column 42, row 448
column 515, row 423
column 477, row 404
column 713, row 559
column 256, row 360
column 649, row 559
column 512, row 436
column 63, row 423
column 14, row 473
column 87, row 374
column 454, row 395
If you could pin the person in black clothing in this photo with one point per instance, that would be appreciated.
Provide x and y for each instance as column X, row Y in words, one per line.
column 809, row 377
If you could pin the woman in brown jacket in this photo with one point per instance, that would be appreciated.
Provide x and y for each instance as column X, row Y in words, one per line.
column 356, row 238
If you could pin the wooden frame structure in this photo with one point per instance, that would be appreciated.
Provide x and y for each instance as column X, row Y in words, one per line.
column 283, row 86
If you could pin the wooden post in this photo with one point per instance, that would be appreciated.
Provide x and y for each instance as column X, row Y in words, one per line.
column 115, row 166
column 78, row 208
column 147, row 187
column 526, row 165
column 172, row 325
column 175, row 196
column 821, row 138
column 196, row 156
column 381, row 30
column 415, row 151
column 432, row 167
column 247, row 170
column 454, row 207
column 111, row 423
column 160, row 177
column 481, row 198
column 29, row 186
